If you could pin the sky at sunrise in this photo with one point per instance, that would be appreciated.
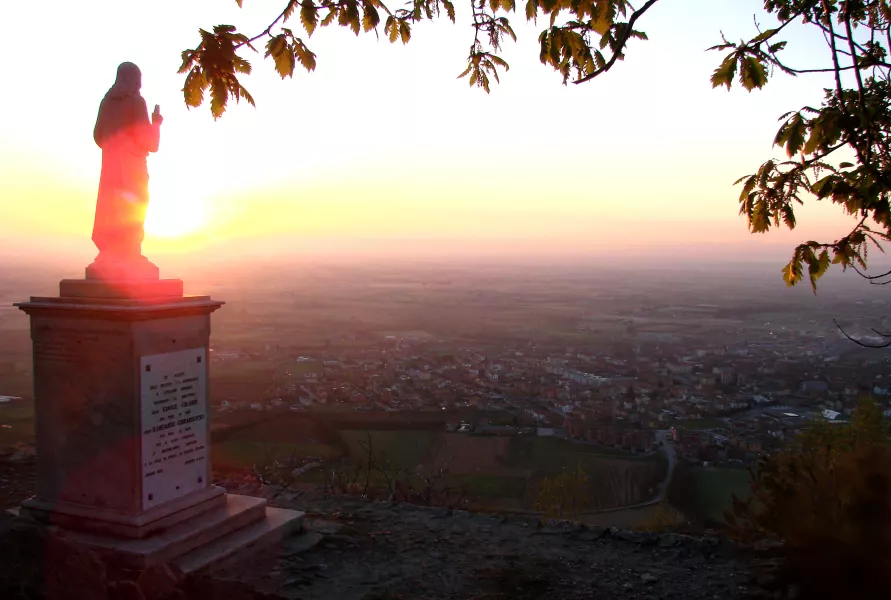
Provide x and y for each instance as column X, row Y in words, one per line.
column 383, row 149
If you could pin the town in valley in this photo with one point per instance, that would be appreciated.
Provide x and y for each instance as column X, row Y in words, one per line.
column 711, row 370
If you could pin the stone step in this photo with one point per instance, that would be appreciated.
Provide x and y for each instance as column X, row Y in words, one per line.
column 241, row 543
column 182, row 538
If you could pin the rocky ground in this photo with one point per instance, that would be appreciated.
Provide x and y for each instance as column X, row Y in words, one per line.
column 376, row 550
column 354, row 549
column 16, row 480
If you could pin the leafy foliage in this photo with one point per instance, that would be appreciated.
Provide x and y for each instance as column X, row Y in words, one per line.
column 585, row 38
column 853, row 119
column 287, row 50
column 215, row 64
column 827, row 498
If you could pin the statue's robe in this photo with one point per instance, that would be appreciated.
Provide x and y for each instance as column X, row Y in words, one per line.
column 126, row 135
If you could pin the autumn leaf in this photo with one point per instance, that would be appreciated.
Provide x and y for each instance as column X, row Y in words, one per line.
column 792, row 272
column 370, row 17
column 391, row 27
column 752, row 73
column 281, row 52
column 724, row 74
column 219, row 96
column 306, row 57
column 193, row 90
column 404, row 31
column 309, row 17
column 450, row 10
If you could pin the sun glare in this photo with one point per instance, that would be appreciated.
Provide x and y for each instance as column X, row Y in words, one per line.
column 174, row 210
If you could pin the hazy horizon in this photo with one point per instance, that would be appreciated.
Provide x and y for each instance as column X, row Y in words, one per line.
column 668, row 269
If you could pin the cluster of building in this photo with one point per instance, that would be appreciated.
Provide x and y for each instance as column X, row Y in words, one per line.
column 720, row 399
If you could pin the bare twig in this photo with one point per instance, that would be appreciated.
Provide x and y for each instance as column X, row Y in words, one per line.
column 859, row 343
column 874, row 279
column 369, row 450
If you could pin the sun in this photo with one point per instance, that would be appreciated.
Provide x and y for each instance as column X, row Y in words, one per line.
column 175, row 209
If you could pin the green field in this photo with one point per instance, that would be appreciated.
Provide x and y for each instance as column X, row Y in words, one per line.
column 498, row 468
column 550, row 454
column 494, row 469
column 398, row 449
column 713, row 489
column 240, row 453
column 490, row 487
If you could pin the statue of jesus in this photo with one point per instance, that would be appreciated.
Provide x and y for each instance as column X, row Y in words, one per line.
column 126, row 135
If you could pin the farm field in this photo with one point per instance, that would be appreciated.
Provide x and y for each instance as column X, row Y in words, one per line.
column 397, row 449
column 502, row 471
column 245, row 454
column 713, row 489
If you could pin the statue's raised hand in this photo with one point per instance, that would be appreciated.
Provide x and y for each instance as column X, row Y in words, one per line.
column 157, row 119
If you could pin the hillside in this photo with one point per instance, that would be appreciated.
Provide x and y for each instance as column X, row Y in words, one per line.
column 381, row 551
column 384, row 551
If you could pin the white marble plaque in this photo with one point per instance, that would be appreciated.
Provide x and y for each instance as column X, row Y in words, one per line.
column 174, row 425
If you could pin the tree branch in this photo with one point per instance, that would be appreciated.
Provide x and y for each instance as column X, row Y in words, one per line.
column 828, row 31
column 859, row 343
column 873, row 279
column 800, row 71
column 620, row 43
column 835, row 64
column 268, row 30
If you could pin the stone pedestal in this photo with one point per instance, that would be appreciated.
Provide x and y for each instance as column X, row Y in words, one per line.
column 117, row 268
column 123, row 433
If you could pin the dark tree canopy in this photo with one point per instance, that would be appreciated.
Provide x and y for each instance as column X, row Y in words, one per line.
column 582, row 39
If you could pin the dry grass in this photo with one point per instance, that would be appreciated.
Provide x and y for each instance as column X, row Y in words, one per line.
column 663, row 518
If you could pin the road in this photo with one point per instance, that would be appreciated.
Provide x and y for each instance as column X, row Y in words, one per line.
column 668, row 449
column 663, row 437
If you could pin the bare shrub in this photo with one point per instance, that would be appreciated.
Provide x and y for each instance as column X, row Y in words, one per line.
column 663, row 518
column 376, row 479
column 564, row 493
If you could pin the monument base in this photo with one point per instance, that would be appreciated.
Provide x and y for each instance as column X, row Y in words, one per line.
column 92, row 519
column 121, row 288
column 113, row 267
column 123, row 433
column 234, row 529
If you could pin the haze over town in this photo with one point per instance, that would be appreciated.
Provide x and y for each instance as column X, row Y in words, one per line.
column 612, row 354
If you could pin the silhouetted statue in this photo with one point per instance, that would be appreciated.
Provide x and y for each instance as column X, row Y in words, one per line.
column 126, row 136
